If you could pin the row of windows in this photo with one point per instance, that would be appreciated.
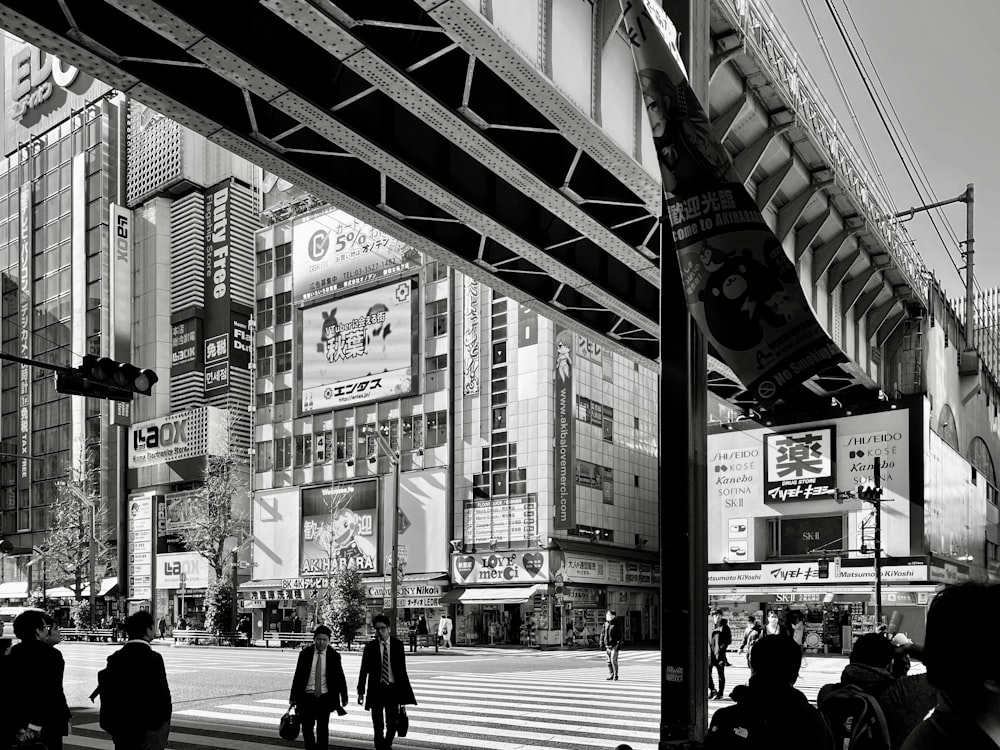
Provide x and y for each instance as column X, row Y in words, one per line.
column 274, row 262
column 275, row 310
column 325, row 446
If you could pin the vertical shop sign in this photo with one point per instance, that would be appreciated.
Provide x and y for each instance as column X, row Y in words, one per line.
column 470, row 338
column 565, row 491
column 24, row 335
column 140, row 547
column 121, row 295
column 740, row 287
column 218, row 277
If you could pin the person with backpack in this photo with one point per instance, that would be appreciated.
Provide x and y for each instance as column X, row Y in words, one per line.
column 769, row 712
column 875, row 705
column 611, row 641
column 135, row 697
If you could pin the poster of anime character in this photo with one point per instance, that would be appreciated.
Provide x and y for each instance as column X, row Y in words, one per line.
column 340, row 527
column 358, row 348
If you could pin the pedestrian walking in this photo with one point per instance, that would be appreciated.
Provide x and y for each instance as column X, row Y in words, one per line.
column 611, row 641
column 383, row 684
column 769, row 712
column 135, row 698
column 965, row 672
column 318, row 688
column 35, row 708
column 773, row 625
column 751, row 634
column 718, row 642
column 444, row 630
column 162, row 627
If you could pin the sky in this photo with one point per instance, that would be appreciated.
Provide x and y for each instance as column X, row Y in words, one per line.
column 939, row 65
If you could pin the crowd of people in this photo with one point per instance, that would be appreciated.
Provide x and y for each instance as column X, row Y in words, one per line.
column 876, row 704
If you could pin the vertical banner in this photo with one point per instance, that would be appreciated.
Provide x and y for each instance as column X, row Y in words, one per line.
column 565, row 492
column 217, row 326
column 25, row 319
column 470, row 338
column 121, row 297
column 140, row 546
column 739, row 285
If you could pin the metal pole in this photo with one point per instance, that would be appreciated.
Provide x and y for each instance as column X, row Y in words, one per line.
column 394, row 581
column 878, row 542
column 970, row 281
column 93, row 563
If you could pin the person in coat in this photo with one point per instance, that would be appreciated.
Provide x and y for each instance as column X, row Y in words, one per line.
column 718, row 642
column 751, row 634
column 37, row 710
column 383, row 684
column 769, row 712
column 138, row 713
column 611, row 642
column 318, row 688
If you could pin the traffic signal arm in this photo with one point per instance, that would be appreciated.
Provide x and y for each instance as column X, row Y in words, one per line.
column 102, row 377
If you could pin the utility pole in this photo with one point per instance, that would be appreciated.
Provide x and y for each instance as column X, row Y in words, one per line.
column 393, row 457
column 877, row 495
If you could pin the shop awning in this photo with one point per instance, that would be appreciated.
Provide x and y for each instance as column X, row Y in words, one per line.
column 498, row 595
column 108, row 586
column 14, row 590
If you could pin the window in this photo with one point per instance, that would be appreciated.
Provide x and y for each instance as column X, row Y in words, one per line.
column 437, row 429
column 283, row 356
column 283, row 396
column 608, row 428
column 282, row 453
column 265, row 456
column 413, row 433
column 265, row 313
column 518, row 483
column 345, row 443
column 283, row 307
column 264, row 268
column 437, row 318
column 500, row 418
column 499, row 352
column 303, row 450
column 435, row 374
column 264, row 400
column 436, row 270
column 264, row 363
column 283, row 259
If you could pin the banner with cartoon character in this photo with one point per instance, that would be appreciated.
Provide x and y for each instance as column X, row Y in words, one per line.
column 562, row 378
column 740, row 287
column 340, row 527
column 358, row 348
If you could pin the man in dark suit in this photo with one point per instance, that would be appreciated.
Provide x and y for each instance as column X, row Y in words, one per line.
column 383, row 668
column 36, row 709
column 135, row 697
column 318, row 687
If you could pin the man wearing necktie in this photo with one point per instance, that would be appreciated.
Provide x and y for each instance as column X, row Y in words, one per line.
column 318, row 687
column 383, row 669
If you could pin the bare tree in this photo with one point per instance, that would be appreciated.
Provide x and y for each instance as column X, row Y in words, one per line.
column 77, row 511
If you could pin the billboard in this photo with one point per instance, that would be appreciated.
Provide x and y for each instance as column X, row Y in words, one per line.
column 40, row 91
column 358, row 348
column 422, row 504
column 185, row 346
column 335, row 251
column 340, row 527
column 801, row 465
column 187, row 434
column 177, row 570
column 565, row 511
column 140, row 546
column 182, row 511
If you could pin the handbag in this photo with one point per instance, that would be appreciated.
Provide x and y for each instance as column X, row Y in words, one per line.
column 289, row 726
column 402, row 722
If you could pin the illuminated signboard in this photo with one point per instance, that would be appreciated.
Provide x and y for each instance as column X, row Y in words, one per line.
column 358, row 348
column 335, row 251
column 340, row 527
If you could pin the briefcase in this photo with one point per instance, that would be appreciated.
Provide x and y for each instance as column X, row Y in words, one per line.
column 403, row 722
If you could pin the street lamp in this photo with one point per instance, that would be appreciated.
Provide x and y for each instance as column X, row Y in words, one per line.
column 393, row 457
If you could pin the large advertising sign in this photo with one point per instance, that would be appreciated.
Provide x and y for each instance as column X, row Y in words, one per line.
column 335, row 251
column 740, row 287
column 422, row 515
column 470, row 338
column 188, row 434
column 501, row 568
column 565, row 516
column 811, row 472
column 40, row 91
column 218, row 227
column 25, row 304
column 340, row 527
column 503, row 520
column 358, row 348
column 801, row 465
column 182, row 511
column 181, row 570
column 121, row 293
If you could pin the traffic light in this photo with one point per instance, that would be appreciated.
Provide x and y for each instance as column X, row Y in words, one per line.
column 824, row 568
column 869, row 493
column 103, row 377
